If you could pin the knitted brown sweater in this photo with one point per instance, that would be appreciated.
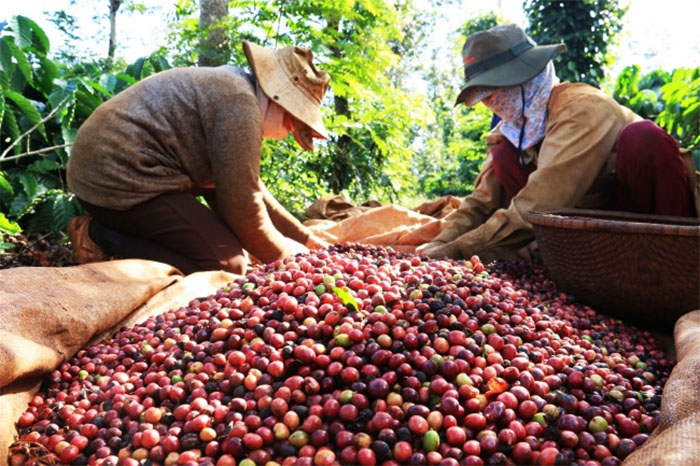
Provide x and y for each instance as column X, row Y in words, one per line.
column 178, row 130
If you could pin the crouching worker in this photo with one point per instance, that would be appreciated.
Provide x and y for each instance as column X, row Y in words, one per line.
column 558, row 145
column 140, row 160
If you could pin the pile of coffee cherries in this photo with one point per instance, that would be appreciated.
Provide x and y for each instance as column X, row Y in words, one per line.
column 358, row 355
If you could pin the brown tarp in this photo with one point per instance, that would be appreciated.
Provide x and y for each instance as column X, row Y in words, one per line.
column 47, row 314
column 389, row 225
column 439, row 208
column 337, row 208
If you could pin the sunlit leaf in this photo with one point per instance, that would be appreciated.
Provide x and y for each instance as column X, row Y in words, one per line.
column 8, row 226
column 27, row 108
column 6, row 65
column 10, row 124
column 5, row 184
column 346, row 298
column 22, row 29
column 42, row 41
column 21, row 61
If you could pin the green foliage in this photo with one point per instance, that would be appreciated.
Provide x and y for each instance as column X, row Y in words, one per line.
column 453, row 147
column 672, row 100
column 42, row 104
column 681, row 113
column 589, row 28
column 365, row 45
column 387, row 141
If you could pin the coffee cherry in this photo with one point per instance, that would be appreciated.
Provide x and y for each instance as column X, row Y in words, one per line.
column 360, row 355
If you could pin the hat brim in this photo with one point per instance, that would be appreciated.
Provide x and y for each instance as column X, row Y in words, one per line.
column 516, row 71
column 278, row 87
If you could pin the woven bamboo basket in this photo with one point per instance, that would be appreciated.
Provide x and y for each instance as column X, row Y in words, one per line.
column 636, row 267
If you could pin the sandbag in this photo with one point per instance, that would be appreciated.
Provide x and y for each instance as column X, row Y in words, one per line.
column 143, row 289
column 390, row 225
column 677, row 438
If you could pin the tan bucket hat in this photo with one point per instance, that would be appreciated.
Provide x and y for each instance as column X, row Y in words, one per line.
column 289, row 78
column 503, row 56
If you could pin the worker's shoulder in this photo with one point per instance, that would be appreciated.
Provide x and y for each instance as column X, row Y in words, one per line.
column 570, row 99
column 584, row 94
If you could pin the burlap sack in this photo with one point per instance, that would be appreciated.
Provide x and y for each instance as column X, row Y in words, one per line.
column 390, row 225
column 95, row 300
column 337, row 208
column 48, row 313
column 439, row 208
column 676, row 441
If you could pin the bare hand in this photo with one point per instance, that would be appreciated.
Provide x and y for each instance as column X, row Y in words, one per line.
column 314, row 242
column 294, row 247
column 439, row 249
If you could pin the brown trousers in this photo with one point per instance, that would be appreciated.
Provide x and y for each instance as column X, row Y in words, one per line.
column 173, row 228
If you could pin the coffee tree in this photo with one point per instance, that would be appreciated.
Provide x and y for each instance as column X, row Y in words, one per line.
column 42, row 104
column 589, row 29
column 453, row 148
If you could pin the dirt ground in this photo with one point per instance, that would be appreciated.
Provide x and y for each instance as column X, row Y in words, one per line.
column 43, row 250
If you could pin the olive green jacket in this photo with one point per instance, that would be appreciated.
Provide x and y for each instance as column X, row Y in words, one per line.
column 180, row 130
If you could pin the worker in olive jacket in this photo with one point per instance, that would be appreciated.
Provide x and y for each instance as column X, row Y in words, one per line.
column 140, row 159
column 557, row 145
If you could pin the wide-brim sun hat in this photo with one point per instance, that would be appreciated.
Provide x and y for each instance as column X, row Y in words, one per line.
column 289, row 78
column 503, row 56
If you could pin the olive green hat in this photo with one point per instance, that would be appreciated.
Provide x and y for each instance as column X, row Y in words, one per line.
column 503, row 56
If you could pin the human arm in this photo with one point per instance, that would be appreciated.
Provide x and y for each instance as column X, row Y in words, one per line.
column 288, row 224
column 233, row 128
column 474, row 209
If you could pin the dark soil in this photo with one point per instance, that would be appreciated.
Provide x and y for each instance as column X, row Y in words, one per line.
column 42, row 250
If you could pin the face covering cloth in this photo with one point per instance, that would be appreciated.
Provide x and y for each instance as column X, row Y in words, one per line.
column 272, row 116
column 523, row 108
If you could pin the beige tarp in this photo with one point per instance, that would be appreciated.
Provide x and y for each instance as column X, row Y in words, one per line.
column 337, row 221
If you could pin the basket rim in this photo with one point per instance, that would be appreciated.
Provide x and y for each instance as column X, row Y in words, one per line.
column 616, row 222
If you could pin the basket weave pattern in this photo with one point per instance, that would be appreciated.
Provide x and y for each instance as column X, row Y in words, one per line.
column 628, row 265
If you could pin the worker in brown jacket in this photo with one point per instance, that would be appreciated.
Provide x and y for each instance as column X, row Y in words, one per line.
column 140, row 159
column 557, row 145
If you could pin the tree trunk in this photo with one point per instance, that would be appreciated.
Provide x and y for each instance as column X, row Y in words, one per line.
column 341, row 108
column 214, row 48
column 113, row 8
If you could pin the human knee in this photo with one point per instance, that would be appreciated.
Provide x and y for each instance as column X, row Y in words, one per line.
column 642, row 137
